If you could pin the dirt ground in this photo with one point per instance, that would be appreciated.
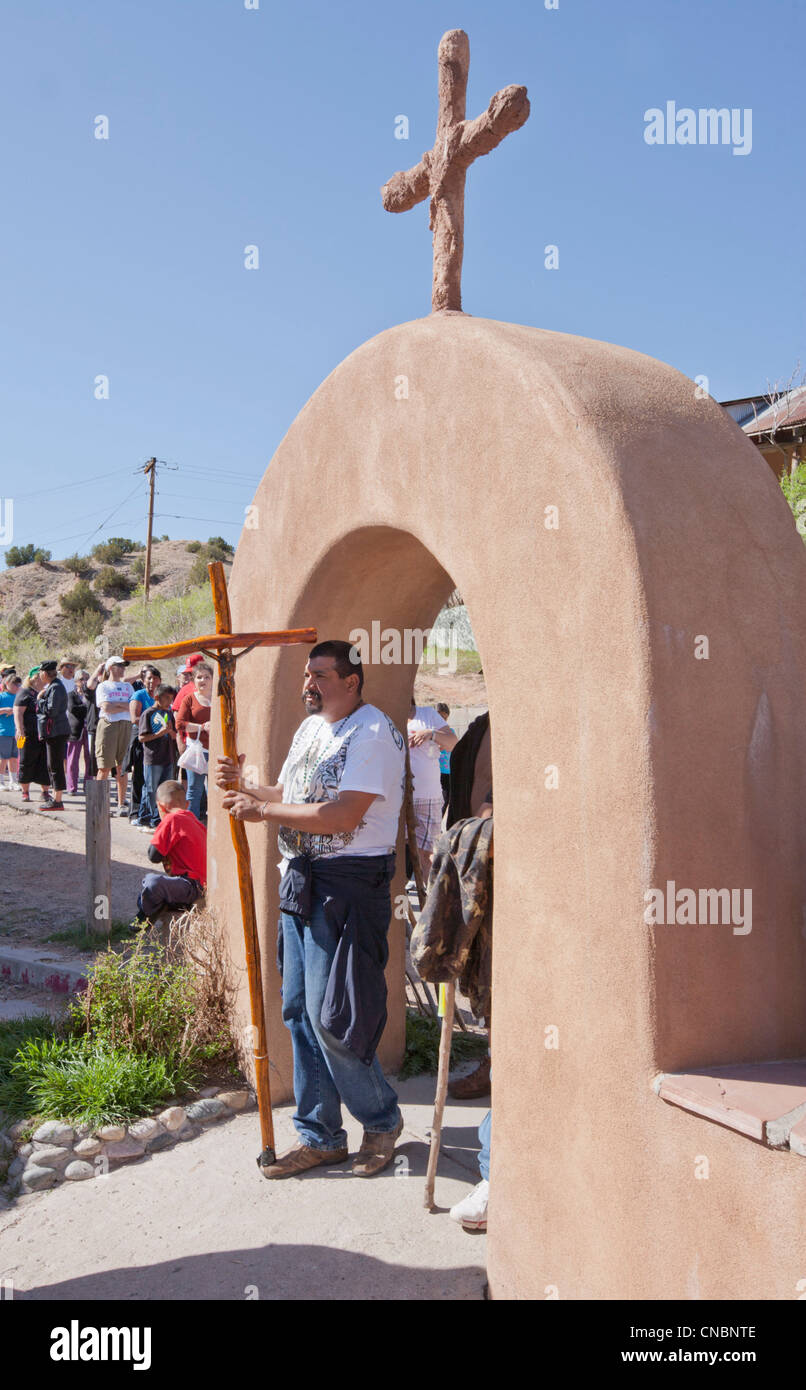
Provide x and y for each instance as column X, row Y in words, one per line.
column 453, row 690
column 43, row 872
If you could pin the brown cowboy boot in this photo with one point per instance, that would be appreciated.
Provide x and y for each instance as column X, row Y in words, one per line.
column 300, row 1158
column 474, row 1086
column 376, row 1152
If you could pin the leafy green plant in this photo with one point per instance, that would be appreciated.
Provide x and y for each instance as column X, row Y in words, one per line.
column 193, row 547
column 793, row 486
column 25, row 555
column 422, row 1046
column 144, row 1030
column 150, row 1004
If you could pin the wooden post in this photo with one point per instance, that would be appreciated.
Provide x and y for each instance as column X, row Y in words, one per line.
column 98, row 842
column 150, row 469
column 445, row 1039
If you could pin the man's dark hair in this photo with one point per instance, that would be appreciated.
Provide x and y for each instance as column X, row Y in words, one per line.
column 165, row 690
column 346, row 657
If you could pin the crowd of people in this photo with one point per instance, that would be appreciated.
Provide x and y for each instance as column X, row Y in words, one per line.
column 134, row 733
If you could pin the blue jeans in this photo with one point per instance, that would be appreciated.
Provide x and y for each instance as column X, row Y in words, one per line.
column 325, row 1071
column 154, row 774
column 196, row 781
column 484, row 1139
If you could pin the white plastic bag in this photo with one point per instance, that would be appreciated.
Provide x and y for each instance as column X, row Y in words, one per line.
column 194, row 758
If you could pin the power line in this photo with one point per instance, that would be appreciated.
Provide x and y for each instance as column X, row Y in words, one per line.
column 183, row 497
column 83, row 482
column 213, row 520
column 213, row 473
column 111, row 514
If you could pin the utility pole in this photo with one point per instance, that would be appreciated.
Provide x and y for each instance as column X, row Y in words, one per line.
column 150, row 469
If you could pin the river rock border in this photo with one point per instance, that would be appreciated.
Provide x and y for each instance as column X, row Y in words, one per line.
column 60, row 1152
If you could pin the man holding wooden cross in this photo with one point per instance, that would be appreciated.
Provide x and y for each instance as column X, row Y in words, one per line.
column 336, row 807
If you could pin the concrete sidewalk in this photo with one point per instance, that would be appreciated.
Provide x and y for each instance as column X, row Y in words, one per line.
column 199, row 1222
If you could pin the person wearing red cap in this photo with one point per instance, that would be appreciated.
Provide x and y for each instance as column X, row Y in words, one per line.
column 188, row 687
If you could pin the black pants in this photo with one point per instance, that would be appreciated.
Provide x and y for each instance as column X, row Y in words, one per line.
column 135, row 766
column 55, row 749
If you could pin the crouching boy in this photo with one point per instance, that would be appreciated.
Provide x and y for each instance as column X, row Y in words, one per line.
column 180, row 843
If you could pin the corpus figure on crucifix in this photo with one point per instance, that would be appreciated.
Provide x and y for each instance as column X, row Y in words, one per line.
column 441, row 171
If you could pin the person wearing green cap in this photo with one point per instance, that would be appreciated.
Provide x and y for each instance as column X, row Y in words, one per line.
column 33, row 757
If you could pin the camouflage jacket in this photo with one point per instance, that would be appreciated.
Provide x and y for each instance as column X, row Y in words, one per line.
column 454, row 934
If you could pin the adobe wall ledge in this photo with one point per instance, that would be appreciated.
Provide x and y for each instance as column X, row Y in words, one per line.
column 764, row 1100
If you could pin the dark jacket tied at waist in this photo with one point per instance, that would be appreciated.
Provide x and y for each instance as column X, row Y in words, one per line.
column 454, row 934
column 354, row 891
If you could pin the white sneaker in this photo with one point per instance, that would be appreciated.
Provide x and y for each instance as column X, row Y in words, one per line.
column 471, row 1212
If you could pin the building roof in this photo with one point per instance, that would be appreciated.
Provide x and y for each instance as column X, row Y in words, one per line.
column 769, row 414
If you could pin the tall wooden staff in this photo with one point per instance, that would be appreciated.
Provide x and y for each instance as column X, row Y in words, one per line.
column 219, row 647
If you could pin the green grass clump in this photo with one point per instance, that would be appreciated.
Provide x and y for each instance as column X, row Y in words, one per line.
column 144, row 1030
column 88, row 1082
column 422, row 1046
column 14, row 1034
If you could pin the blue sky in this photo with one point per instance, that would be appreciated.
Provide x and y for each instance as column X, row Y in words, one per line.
column 275, row 127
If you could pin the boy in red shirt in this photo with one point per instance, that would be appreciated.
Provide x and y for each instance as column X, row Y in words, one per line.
column 180, row 843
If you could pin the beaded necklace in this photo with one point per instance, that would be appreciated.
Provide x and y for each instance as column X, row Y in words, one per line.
column 307, row 773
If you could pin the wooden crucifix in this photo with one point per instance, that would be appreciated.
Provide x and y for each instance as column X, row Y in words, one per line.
column 219, row 646
column 441, row 171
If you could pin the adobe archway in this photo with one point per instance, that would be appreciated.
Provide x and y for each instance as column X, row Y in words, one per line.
column 429, row 458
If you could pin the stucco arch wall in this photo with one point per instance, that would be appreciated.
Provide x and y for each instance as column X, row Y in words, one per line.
column 669, row 768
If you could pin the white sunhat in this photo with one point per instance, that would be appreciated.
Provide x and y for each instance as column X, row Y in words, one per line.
column 115, row 661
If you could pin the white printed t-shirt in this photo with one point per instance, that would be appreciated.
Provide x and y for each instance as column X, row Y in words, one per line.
column 362, row 753
column 115, row 692
column 425, row 758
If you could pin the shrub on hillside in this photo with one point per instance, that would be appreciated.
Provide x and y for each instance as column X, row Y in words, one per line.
column 77, row 564
column 26, row 627
column 115, row 549
column 114, row 582
column 197, row 574
column 219, row 549
column 82, row 629
column 214, row 549
column 80, row 599
column 25, row 555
